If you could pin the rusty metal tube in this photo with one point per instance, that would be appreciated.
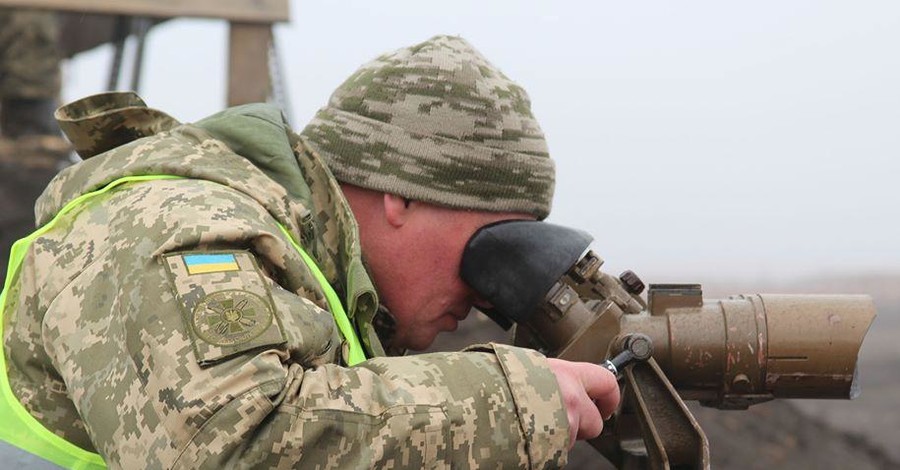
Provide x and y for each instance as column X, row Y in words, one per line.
column 745, row 349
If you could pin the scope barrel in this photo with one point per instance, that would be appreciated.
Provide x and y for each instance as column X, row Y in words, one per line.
column 745, row 349
column 728, row 353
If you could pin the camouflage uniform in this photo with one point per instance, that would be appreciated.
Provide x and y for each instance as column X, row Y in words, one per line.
column 116, row 345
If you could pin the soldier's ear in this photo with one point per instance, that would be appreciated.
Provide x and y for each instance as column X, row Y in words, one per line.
column 396, row 209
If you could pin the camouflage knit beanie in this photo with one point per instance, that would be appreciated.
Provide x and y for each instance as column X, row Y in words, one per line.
column 436, row 122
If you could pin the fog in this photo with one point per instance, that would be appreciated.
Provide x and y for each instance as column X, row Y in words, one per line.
column 695, row 140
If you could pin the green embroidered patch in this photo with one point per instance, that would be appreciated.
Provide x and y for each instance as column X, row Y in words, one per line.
column 231, row 317
column 226, row 311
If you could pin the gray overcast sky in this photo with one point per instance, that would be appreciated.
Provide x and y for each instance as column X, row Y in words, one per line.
column 695, row 140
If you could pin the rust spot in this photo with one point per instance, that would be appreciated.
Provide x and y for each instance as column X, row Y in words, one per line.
column 704, row 359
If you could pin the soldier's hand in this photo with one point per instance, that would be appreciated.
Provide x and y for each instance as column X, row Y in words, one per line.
column 590, row 394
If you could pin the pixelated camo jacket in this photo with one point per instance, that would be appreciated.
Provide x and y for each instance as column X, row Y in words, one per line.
column 170, row 323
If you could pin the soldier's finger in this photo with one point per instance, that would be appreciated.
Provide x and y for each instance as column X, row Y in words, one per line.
column 603, row 388
column 591, row 423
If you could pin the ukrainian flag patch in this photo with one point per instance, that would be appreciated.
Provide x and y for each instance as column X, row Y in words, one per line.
column 210, row 263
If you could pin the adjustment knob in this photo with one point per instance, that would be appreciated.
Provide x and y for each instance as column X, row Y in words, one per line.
column 633, row 284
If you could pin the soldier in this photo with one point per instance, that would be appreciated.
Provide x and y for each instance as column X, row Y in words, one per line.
column 31, row 149
column 29, row 72
column 205, row 295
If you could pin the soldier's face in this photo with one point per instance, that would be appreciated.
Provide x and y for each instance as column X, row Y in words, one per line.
column 419, row 282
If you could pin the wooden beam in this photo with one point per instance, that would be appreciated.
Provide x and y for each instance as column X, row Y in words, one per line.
column 245, row 11
column 248, row 63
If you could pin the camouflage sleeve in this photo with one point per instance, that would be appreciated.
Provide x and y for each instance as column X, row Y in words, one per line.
column 155, row 392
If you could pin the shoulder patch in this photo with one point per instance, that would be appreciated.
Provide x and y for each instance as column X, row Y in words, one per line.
column 225, row 303
column 231, row 317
